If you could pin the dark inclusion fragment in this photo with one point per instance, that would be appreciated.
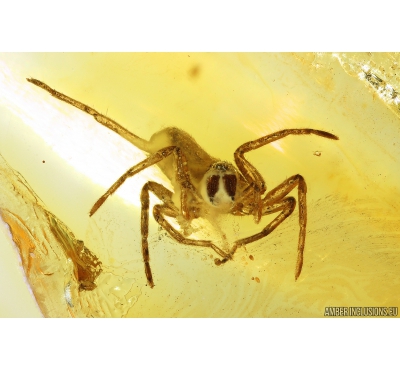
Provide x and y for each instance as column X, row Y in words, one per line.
column 41, row 238
column 87, row 265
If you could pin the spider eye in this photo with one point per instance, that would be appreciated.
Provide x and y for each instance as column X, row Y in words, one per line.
column 212, row 186
column 230, row 185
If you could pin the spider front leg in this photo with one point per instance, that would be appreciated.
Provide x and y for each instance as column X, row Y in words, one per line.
column 282, row 190
column 275, row 201
column 250, row 173
column 286, row 205
column 168, row 209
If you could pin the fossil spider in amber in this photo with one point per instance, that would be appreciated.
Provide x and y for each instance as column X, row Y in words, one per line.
column 204, row 185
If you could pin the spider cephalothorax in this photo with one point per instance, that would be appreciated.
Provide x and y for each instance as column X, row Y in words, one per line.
column 218, row 186
column 224, row 188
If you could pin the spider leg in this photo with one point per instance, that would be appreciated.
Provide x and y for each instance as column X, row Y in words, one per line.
column 274, row 201
column 152, row 159
column 250, row 173
column 286, row 205
column 168, row 209
column 182, row 177
column 165, row 195
column 102, row 119
column 281, row 191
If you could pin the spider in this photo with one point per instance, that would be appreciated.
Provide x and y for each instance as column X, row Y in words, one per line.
column 204, row 186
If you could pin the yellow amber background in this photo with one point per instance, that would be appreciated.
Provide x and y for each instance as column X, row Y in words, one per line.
column 223, row 100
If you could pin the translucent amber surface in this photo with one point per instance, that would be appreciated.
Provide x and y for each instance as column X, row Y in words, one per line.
column 57, row 161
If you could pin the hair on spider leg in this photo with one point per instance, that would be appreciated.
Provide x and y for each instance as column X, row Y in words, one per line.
column 204, row 187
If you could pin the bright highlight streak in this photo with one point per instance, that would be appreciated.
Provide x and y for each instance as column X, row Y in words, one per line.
column 83, row 143
column 287, row 112
column 277, row 146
